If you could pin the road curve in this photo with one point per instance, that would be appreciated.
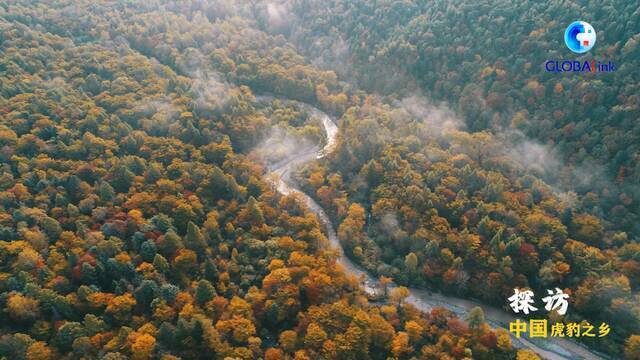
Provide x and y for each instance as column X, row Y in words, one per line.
column 280, row 175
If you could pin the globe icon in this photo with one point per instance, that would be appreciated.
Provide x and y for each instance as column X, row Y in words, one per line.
column 580, row 37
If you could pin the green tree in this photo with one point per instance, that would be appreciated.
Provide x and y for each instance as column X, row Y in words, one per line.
column 121, row 178
column 475, row 318
column 194, row 240
column 105, row 192
column 51, row 227
column 183, row 215
column 204, row 292
column 170, row 244
column 254, row 213
column 161, row 264
column 146, row 292
column 148, row 250
column 67, row 333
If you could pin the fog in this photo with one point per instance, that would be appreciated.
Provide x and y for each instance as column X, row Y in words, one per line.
column 279, row 16
column 281, row 145
column 526, row 154
column 530, row 154
column 438, row 117
column 209, row 88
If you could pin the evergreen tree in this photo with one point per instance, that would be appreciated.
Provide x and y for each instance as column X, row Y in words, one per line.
column 194, row 240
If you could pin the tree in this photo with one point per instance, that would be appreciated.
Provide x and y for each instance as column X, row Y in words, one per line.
column 273, row 354
column 414, row 330
column 587, row 228
column 354, row 342
column 93, row 324
column 51, row 227
column 194, row 240
column 148, row 250
column 82, row 346
column 88, row 272
column 632, row 347
column 121, row 306
column 220, row 186
column 185, row 261
column 170, row 244
column 315, row 336
column 350, row 231
column 67, row 333
column 143, row 347
column 254, row 213
column 288, row 340
column 475, row 318
column 204, row 292
column 211, row 272
column 121, row 178
column 169, row 292
column 212, row 227
column 411, row 261
column 22, row 308
column 39, row 351
column 217, row 153
column 105, row 192
column 503, row 340
column 161, row 264
column 239, row 328
column 146, row 292
column 183, row 215
column 400, row 344
column 526, row 355
column 399, row 294
column 74, row 187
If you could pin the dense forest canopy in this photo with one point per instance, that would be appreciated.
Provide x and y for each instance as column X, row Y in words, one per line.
column 137, row 219
column 486, row 59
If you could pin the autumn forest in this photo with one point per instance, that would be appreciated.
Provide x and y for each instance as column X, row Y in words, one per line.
column 301, row 179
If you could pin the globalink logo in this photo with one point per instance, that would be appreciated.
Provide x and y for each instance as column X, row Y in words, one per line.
column 579, row 37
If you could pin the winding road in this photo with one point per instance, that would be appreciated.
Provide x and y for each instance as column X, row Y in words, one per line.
column 280, row 175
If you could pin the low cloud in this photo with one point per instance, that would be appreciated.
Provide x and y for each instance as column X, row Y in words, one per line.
column 533, row 156
column 331, row 52
column 208, row 87
column 281, row 146
column 159, row 105
column 435, row 116
column 391, row 226
column 547, row 163
column 276, row 16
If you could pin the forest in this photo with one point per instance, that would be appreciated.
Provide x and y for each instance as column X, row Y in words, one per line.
column 138, row 218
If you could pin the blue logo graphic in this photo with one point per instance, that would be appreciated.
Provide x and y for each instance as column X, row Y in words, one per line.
column 580, row 37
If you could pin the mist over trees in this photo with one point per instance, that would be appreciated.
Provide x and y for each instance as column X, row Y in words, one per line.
column 136, row 220
column 486, row 59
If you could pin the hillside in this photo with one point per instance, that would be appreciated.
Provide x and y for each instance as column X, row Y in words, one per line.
column 144, row 147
